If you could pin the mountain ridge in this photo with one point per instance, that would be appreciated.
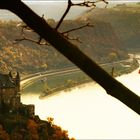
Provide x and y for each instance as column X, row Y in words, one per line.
column 125, row 22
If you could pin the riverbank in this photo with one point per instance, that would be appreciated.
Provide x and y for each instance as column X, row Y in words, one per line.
column 50, row 85
column 88, row 112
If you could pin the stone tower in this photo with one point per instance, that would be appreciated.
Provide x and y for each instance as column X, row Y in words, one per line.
column 9, row 91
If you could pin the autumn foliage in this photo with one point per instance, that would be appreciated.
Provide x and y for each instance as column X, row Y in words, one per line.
column 24, row 128
column 3, row 134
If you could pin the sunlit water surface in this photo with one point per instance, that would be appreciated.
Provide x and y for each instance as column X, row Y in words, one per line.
column 88, row 112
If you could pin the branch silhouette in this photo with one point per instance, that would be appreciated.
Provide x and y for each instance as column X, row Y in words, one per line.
column 39, row 25
column 88, row 3
column 77, row 28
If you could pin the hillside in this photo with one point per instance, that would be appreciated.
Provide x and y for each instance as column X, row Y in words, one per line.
column 99, row 42
column 25, row 56
column 125, row 22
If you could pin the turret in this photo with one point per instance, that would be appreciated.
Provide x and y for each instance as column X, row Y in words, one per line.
column 17, row 81
column 10, row 74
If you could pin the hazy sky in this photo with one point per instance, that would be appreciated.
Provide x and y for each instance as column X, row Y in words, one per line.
column 52, row 9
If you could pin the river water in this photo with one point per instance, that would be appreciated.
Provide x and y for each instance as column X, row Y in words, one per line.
column 87, row 112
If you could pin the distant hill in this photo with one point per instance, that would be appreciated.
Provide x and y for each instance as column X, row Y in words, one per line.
column 98, row 42
column 125, row 20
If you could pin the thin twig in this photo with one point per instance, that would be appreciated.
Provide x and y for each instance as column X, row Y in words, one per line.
column 77, row 28
column 91, row 4
column 25, row 28
column 66, row 33
column 32, row 40
column 69, row 38
column 86, row 3
column 64, row 15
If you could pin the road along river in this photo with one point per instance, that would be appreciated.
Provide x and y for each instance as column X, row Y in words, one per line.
column 87, row 112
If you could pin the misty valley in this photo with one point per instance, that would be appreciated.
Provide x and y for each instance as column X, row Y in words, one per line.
column 38, row 83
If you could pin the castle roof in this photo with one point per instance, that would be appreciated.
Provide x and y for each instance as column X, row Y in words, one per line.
column 6, row 81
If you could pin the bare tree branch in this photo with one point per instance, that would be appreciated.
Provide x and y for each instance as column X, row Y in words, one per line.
column 64, row 15
column 77, row 28
column 25, row 28
column 85, row 3
column 72, row 38
column 112, row 86
column 39, row 42
column 89, row 3
column 66, row 33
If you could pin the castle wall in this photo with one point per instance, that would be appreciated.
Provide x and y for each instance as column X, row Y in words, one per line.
column 27, row 110
column 10, row 96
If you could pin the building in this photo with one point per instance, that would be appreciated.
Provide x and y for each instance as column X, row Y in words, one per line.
column 10, row 90
column 10, row 95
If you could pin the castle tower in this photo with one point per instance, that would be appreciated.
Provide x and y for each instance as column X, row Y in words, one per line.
column 10, row 90
column 10, row 95
column 17, row 81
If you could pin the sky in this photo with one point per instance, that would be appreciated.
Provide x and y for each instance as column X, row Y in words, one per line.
column 45, row 7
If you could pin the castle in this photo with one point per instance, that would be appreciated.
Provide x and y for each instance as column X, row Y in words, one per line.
column 10, row 96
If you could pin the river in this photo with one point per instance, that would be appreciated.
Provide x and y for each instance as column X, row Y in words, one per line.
column 87, row 112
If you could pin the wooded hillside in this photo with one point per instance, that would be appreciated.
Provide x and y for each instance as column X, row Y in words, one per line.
column 28, row 57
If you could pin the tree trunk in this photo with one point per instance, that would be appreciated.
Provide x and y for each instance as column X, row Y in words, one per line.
column 112, row 87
